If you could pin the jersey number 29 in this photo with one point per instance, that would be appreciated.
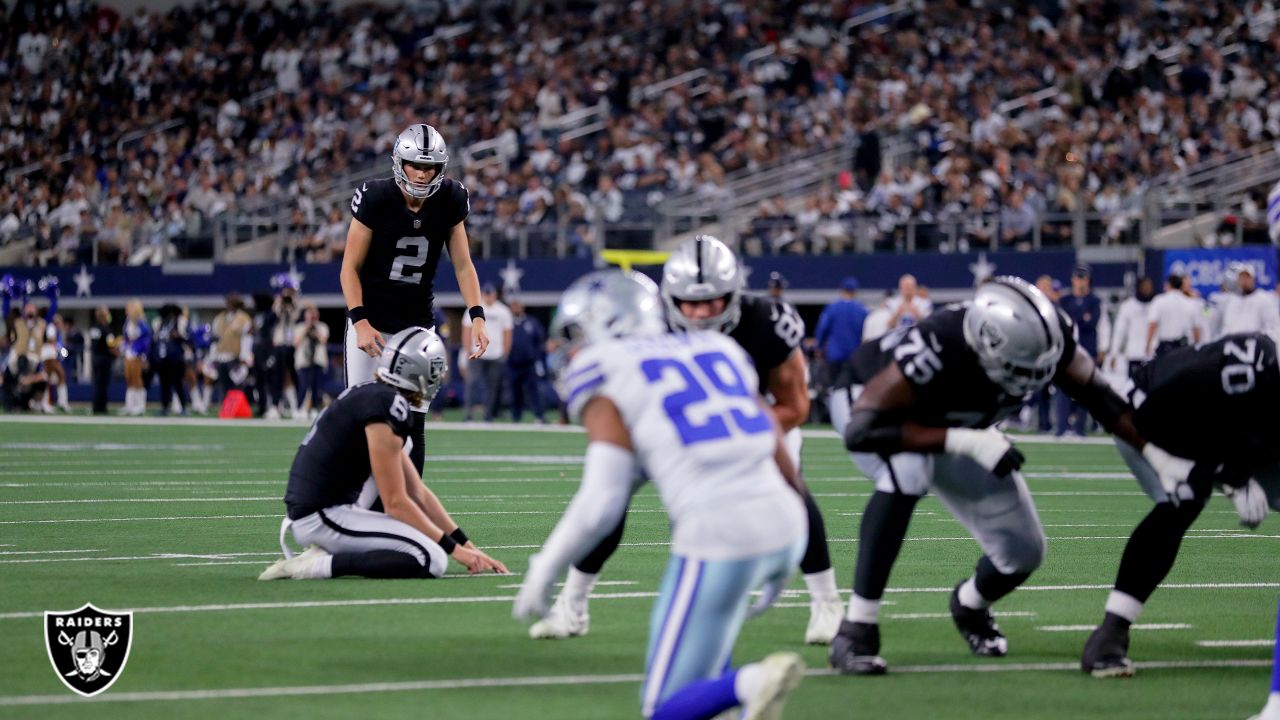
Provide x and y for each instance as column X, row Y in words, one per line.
column 717, row 369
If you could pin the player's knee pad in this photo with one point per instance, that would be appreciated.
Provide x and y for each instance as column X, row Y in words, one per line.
column 1020, row 554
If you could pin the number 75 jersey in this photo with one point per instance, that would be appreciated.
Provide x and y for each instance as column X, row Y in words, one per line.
column 689, row 401
column 398, row 274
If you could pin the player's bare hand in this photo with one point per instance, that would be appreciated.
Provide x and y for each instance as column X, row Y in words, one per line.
column 495, row 565
column 479, row 339
column 368, row 339
column 476, row 561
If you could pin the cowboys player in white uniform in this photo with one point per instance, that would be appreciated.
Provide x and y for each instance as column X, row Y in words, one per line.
column 921, row 418
column 399, row 228
column 702, row 286
column 683, row 409
column 354, row 453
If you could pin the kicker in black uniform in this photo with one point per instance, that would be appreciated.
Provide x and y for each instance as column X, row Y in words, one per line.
column 702, row 287
column 400, row 226
column 354, row 454
column 1234, row 385
column 920, row 418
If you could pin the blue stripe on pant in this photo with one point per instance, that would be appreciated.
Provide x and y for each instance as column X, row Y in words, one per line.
column 700, row 610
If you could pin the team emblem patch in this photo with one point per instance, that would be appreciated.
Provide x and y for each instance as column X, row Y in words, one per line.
column 991, row 336
column 417, row 223
column 88, row 647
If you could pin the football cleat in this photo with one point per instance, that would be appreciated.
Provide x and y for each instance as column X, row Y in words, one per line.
column 296, row 567
column 824, row 622
column 783, row 672
column 978, row 628
column 1106, row 653
column 855, row 650
column 562, row 622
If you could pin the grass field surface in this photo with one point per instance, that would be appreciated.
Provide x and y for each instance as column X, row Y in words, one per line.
column 174, row 520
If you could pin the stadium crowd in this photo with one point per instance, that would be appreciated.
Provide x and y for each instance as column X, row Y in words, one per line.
column 124, row 141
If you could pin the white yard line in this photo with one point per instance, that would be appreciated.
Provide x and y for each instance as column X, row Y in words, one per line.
column 167, row 518
column 548, row 681
column 47, row 552
column 1139, row 626
column 1264, row 642
column 108, row 447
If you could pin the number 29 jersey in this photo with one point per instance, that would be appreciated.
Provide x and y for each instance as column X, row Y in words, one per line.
column 690, row 404
column 398, row 274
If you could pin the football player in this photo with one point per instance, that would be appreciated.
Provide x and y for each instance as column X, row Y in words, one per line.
column 399, row 228
column 1235, row 381
column 921, row 417
column 1271, row 711
column 681, row 408
column 702, row 284
column 356, row 451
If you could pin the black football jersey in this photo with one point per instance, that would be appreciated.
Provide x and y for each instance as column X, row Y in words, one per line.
column 952, row 389
column 332, row 463
column 1216, row 402
column 769, row 330
column 399, row 272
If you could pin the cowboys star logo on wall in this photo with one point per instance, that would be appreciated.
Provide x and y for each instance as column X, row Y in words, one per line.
column 88, row 647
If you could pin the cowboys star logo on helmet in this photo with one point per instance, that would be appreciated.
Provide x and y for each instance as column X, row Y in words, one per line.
column 88, row 647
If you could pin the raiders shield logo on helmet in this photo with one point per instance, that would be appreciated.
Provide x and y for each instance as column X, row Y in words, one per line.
column 88, row 647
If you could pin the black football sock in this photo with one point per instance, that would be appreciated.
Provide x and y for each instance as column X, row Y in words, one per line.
column 817, row 557
column 1153, row 547
column 379, row 564
column 992, row 584
column 884, row 526
column 599, row 555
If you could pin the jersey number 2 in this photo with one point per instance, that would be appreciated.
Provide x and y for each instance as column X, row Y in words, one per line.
column 417, row 259
column 714, row 366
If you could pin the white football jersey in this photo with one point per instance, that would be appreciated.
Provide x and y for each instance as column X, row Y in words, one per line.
column 690, row 403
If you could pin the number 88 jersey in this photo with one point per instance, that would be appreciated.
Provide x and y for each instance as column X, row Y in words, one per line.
column 1213, row 402
column 398, row 274
column 690, row 404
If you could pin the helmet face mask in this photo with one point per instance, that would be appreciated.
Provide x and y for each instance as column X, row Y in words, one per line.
column 421, row 147
column 414, row 361
column 603, row 305
column 1015, row 332
column 700, row 270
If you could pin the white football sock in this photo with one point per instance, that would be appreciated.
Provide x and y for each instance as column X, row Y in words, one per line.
column 1124, row 605
column 971, row 598
column 862, row 610
column 822, row 586
column 321, row 569
column 291, row 399
column 62, row 395
column 748, row 681
column 577, row 588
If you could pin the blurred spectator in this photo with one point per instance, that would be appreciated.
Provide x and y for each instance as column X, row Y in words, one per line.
column 777, row 285
column 232, row 345
column 839, row 333
column 909, row 306
column 137, row 347
column 1085, row 310
column 168, row 353
column 103, row 348
column 1129, row 331
column 311, row 358
column 526, row 362
column 1173, row 319
column 490, row 368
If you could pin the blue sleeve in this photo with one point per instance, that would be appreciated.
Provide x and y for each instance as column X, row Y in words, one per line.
column 824, row 327
column 52, row 294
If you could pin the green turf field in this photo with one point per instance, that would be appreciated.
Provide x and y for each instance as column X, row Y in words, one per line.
column 179, row 530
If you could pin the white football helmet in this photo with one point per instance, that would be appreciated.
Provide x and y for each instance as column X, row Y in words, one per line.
column 703, row 268
column 419, row 144
column 414, row 360
column 605, row 304
column 1015, row 331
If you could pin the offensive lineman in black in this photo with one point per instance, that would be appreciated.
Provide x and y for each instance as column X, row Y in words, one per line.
column 354, row 453
column 399, row 228
column 921, row 418
column 1235, row 383
column 702, row 288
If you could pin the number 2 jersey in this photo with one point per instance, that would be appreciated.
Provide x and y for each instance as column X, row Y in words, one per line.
column 332, row 463
column 690, row 405
column 951, row 388
column 1216, row 402
column 398, row 274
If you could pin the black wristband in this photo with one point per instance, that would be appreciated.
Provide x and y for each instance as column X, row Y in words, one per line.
column 459, row 536
column 357, row 313
column 447, row 544
column 476, row 312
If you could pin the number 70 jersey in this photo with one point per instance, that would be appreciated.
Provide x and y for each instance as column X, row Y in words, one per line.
column 690, row 403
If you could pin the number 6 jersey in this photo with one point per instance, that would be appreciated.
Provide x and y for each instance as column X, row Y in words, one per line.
column 689, row 401
column 399, row 272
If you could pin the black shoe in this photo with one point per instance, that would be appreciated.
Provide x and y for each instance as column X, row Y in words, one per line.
column 855, row 650
column 978, row 629
column 1106, row 652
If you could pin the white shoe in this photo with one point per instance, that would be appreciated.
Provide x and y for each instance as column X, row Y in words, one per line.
column 272, row 413
column 824, row 622
column 562, row 622
column 296, row 567
column 784, row 671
